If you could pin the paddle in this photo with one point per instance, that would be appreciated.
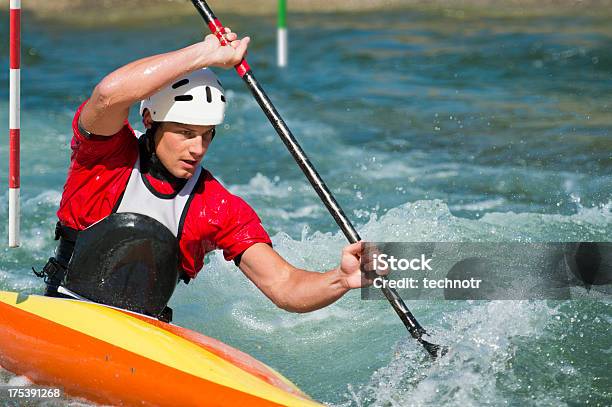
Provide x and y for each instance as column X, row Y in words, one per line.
column 245, row 72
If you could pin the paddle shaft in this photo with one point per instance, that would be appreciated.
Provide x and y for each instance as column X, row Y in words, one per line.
column 243, row 69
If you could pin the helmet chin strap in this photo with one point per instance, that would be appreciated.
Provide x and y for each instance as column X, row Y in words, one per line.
column 150, row 162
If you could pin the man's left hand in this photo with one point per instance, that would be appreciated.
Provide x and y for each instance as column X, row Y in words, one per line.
column 349, row 268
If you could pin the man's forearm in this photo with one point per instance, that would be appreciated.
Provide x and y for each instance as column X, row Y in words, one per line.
column 298, row 290
column 140, row 79
column 109, row 105
column 108, row 108
column 308, row 291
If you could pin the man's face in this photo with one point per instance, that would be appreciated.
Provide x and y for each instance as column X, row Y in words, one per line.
column 181, row 147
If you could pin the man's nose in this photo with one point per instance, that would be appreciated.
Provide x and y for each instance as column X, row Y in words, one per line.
column 197, row 147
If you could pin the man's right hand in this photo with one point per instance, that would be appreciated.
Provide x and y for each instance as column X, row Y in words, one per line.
column 224, row 56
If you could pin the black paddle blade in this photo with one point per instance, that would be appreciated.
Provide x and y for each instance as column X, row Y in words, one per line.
column 410, row 322
column 433, row 349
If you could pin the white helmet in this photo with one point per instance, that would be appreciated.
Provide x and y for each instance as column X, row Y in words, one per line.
column 193, row 99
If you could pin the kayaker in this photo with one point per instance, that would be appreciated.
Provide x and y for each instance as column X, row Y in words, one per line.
column 135, row 206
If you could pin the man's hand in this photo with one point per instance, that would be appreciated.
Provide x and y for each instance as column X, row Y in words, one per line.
column 225, row 56
column 351, row 268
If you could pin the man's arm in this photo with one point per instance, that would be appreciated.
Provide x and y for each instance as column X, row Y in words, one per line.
column 298, row 290
column 108, row 107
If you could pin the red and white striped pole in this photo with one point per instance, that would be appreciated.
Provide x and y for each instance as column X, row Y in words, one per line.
column 14, row 122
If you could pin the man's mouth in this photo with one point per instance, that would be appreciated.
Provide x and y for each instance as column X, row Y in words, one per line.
column 190, row 163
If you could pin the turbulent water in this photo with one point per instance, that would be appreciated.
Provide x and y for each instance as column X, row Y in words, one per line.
column 427, row 127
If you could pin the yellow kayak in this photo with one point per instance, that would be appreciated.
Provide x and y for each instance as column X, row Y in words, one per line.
column 111, row 356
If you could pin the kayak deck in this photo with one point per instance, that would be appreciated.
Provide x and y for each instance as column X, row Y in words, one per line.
column 117, row 357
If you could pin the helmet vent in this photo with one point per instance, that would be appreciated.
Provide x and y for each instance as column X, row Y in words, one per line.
column 208, row 94
column 183, row 98
column 180, row 83
column 223, row 98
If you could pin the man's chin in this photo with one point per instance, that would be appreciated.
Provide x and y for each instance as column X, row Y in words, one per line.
column 184, row 171
column 185, row 174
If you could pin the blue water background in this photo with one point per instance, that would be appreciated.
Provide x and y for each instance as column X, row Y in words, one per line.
column 427, row 127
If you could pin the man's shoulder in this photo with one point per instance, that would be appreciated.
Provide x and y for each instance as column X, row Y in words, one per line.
column 81, row 136
column 216, row 196
column 211, row 185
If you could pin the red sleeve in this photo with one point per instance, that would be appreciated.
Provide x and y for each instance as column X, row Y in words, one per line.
column 216, row 219
column 99, row 170
column 89, row 150
column 242, row 229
